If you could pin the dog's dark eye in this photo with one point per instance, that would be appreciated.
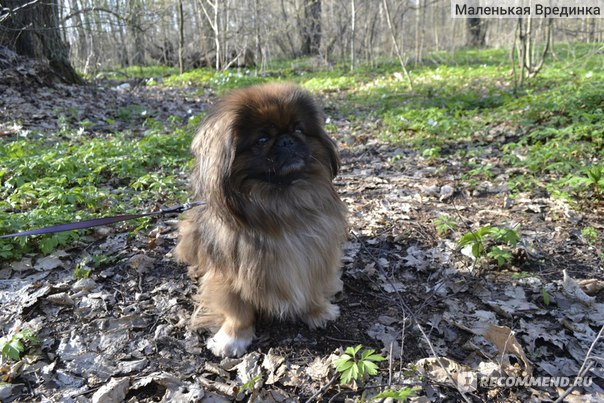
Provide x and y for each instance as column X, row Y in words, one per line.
column 262, row 140
column 298, row 130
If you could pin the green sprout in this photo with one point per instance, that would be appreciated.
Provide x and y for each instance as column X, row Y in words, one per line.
column 351, row 366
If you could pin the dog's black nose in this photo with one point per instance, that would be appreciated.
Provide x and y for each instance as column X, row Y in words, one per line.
column 285, row 141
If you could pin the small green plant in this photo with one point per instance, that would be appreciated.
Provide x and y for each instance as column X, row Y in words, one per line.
column 401, row 395
column 431, row 153
column 102, row 259
column 393, row 160
column 545, row 296
column 476, row 239
column 352, row 366
column 248, row 387
column 131, row 112
column 500, row 255
column 592, row 178
column 81, row 270
column 444, row 224
column 595, row 178
column 507, row 236
column 480, row 171
column 13, row 347
column 495, row 241
column 590, row 234
column 521, row 275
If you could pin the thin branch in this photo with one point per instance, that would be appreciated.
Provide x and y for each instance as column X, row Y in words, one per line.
column 588, row 362
column 395, row 42
column 322, row 390
column 7, row 12
column 95, row 9
column 546, row 50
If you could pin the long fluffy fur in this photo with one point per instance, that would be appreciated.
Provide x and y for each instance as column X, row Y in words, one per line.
column 257, row 247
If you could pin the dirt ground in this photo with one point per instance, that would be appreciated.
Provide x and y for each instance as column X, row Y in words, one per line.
column 122, row 335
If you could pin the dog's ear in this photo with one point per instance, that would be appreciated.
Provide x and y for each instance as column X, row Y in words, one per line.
column 214, row 148
column 315, row 115
column 332, row 153
column 214, row 151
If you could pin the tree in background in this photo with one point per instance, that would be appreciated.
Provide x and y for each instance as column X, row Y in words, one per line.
column 477, row 32
column 529, row 51
column 136, row 51
column 311, row 28
column 32, row 29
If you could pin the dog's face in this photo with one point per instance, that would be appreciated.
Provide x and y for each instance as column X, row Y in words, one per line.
column 279, row 137
column 274, row 149
column 263, row 139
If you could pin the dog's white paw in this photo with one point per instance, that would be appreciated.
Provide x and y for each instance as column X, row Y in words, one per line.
column 320, row 319
column 223, row 345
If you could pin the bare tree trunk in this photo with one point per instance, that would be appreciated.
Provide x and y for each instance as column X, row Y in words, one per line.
column 181, row 38
column 528, row 61
column 419, row 53
column 223, row 20
column 353, row 10
column 528, row 43
column 213, row 21
column 592, row 30
column 204, row 58
column 522, row 49
column 370, row 38
column 216, row 34
column 81, row 48
column 288, row 47
column 137, row 55
column 33, row 30
column 311, row 27
column 417, row 34
column 258, row 47
column 477, row 32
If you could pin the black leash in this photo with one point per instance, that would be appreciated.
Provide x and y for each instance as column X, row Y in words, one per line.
column 103, row 221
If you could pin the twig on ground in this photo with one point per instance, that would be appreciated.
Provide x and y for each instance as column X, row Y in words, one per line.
column 588, row 362
column 400, row 357
column 343, row 340
column 216, row 386
column 390, row 360
column 323, row 389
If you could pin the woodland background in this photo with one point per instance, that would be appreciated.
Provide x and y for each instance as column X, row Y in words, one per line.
column 103, row 34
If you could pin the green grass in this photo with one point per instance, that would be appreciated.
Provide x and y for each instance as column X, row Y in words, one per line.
column 452, row 107
column 138, row 72
column 63, row 178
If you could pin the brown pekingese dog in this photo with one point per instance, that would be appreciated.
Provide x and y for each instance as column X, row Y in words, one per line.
column 268, row 240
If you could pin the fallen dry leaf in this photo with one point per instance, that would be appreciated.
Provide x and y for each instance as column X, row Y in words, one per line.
column 446, row 371
column 591, row 286
column 503, row 338
column 113, row 391
column 572, row 288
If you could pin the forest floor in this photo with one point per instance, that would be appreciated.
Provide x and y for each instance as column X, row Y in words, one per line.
column 411, row 291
